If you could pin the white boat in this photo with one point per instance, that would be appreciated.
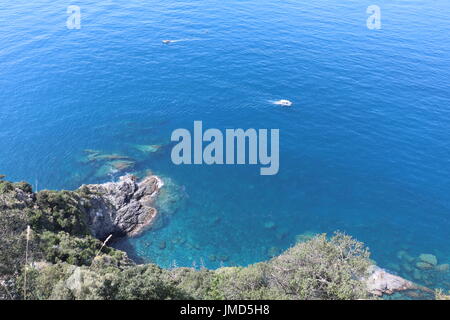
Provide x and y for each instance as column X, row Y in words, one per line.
column 283, row 102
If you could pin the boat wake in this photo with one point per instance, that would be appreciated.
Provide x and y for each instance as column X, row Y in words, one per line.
column 180, row 40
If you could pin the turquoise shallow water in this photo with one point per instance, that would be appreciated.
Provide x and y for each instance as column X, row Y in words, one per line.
column 364, row 149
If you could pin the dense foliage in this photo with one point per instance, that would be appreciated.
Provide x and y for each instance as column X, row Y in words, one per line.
column 59, row 211
column 289, row 276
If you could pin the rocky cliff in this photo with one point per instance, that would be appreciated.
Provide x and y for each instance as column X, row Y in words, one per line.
column 123, row 208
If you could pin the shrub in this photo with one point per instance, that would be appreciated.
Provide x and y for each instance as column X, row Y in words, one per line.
column 148, row 282
column 322, row 269
column 62, row 247
column 12, row 244
column 59, row 211
column 24, row 186
column 197, row 284
column 6, row 186
column 316, row 269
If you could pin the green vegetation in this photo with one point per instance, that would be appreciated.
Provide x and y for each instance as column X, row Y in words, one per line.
column 12, row 244
column 59, row 211
column 66, row 262
column 338, row 263
column 62, row 247
column 6, row 187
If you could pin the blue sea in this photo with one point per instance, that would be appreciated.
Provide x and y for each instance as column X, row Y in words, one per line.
column 365, row 148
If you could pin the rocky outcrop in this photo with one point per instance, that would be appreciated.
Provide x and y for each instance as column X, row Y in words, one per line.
column 17, row 195
column 123, row 208
column 380, row 283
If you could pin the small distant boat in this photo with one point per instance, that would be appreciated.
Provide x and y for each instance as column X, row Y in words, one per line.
column 180, row 40
column 284, row 103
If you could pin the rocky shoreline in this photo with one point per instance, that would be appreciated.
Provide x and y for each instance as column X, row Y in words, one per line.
column 126, row 208
column 66, row 223
column 380, row 283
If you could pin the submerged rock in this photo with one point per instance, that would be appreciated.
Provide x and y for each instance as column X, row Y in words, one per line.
column 394, row 267
column 95, row 155
column 223, row 258
column 270, row 225
column 108, row 164
column 424, row 266
column 428, row 258
column 148, row 148
column 92, row 151
column 305, row 236
column 123, row 208
column 281, row 234
column 443, row 267
column 122, row 165
column 147, row 244
column 114, row 167
column 417, row 275
column 170, row 200
column 407, row 267
column 162, row 245
column 403, row 255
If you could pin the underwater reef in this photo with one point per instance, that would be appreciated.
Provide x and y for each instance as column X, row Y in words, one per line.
column 55, row 245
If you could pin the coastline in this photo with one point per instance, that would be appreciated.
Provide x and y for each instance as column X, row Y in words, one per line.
column 379, row 281
column 126, row 208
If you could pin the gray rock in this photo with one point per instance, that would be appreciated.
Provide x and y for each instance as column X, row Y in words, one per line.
column 380, row 282
column 123, row 208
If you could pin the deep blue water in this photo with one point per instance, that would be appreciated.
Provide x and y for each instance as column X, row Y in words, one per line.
column 365, row 148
